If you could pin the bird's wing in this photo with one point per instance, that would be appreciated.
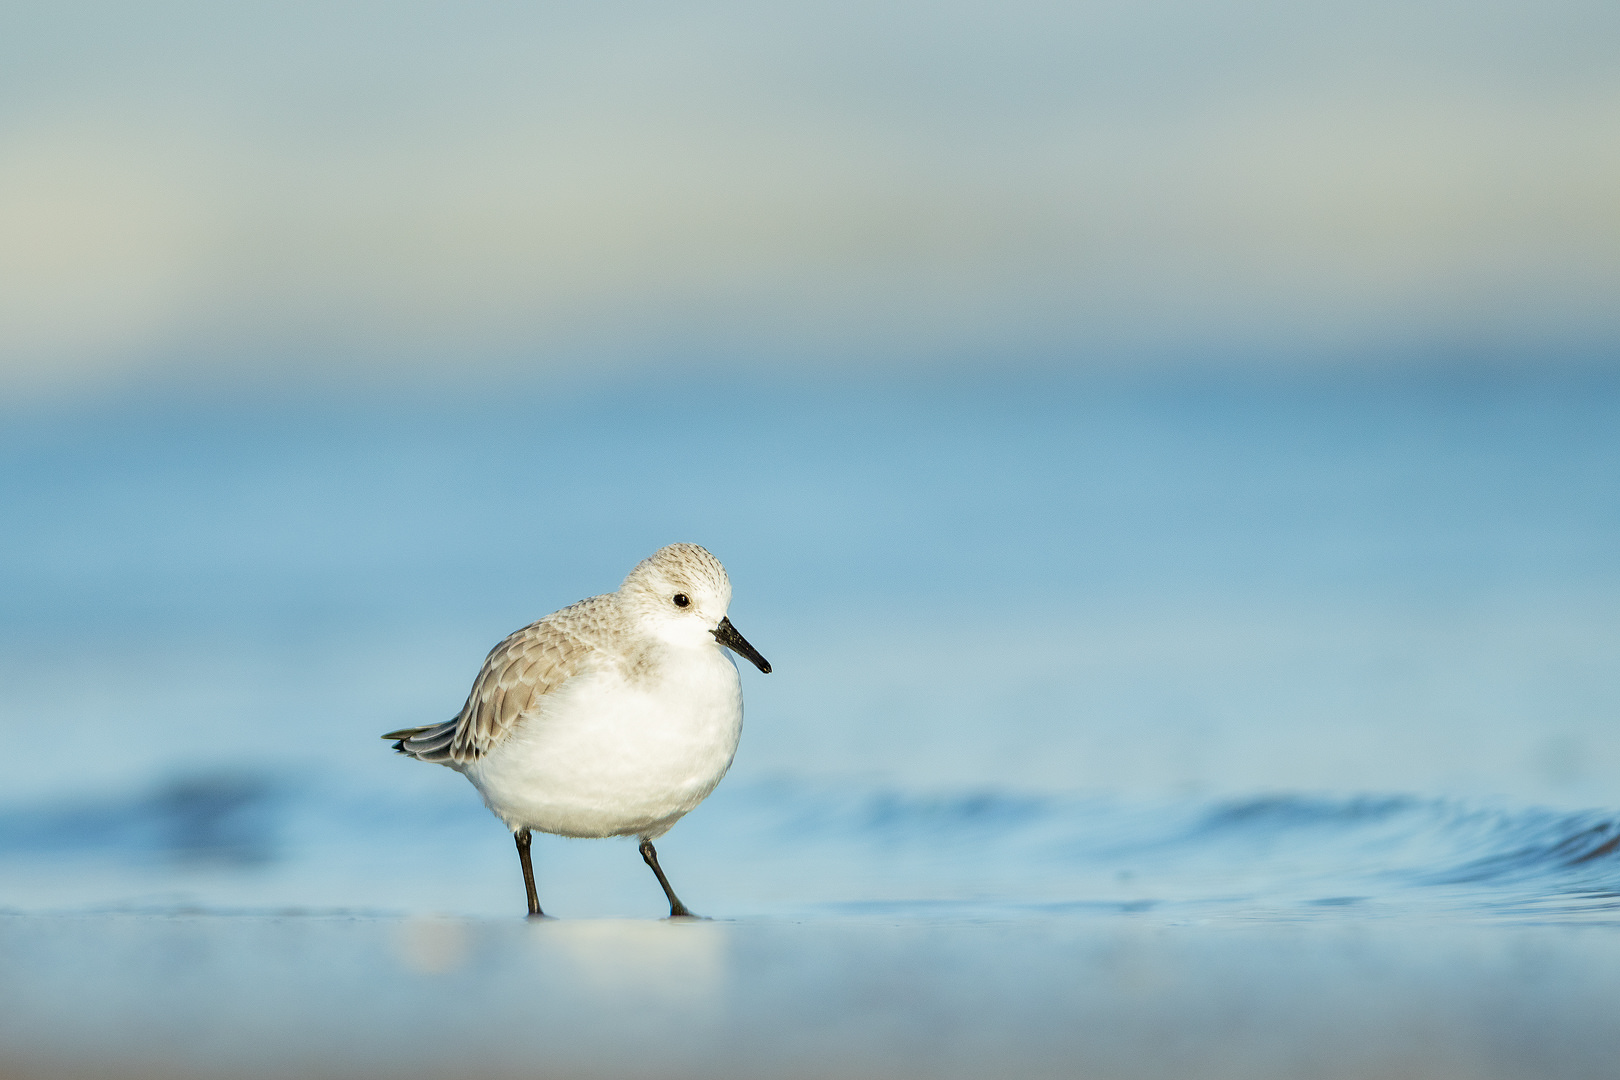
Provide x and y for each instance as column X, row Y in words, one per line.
column 517, row 673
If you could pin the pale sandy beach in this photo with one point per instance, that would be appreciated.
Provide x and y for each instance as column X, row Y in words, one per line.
column 329, row 996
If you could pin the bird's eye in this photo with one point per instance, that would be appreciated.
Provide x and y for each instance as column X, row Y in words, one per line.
column 681, row 599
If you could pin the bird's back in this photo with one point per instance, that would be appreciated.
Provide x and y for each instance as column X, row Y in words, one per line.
column 518, row 673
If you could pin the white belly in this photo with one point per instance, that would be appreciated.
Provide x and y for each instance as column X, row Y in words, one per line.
column 604, row 757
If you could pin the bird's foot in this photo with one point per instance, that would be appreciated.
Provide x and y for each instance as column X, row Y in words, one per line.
column 679, row 911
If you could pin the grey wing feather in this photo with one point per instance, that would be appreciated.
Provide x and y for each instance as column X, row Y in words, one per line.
column 429, row 743
column 517, row 673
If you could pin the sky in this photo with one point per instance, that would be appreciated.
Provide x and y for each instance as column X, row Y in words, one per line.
column 253, row 193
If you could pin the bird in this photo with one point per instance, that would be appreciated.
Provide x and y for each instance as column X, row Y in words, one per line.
column 614, row 716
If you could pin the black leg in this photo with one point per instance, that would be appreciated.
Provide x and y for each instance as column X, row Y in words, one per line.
column 523, row 839
column 677, row 910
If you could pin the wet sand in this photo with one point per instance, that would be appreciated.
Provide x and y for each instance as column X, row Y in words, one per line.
column 292, row 995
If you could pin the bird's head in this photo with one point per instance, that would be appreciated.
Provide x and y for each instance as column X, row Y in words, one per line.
column 680, row 593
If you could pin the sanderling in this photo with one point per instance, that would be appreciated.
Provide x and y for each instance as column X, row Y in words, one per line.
column 612, row 717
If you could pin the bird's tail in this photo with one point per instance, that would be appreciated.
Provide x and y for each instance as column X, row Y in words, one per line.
column 431, row 743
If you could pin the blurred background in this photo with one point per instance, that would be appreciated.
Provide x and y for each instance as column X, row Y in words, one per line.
column 1101, row 403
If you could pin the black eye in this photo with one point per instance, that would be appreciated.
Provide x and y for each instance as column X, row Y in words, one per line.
column 681, row 599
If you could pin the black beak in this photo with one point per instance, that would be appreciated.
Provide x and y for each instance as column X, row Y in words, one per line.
column 727, row 635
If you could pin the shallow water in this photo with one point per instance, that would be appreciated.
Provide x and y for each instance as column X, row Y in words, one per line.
column 241, row 844
column 228, row 927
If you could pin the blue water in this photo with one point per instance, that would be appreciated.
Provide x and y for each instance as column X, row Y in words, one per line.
column 1235, row 726
column 236, row 844
column 1180, row 648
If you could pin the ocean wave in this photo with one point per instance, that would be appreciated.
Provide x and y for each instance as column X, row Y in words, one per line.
column 227, row 817
column 1350, row 846
column 1021, row 851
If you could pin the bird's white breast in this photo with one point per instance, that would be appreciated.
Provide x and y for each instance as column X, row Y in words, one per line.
column 610, row 755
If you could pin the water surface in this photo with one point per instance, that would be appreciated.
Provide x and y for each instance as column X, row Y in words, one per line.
column 1119, row 727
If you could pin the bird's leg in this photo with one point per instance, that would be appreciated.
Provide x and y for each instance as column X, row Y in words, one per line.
column 523, row 838
column 677, row 910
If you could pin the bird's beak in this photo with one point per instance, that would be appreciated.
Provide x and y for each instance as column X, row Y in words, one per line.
column 727, row 635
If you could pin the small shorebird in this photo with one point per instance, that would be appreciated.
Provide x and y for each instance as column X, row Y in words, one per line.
column 612, row 717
